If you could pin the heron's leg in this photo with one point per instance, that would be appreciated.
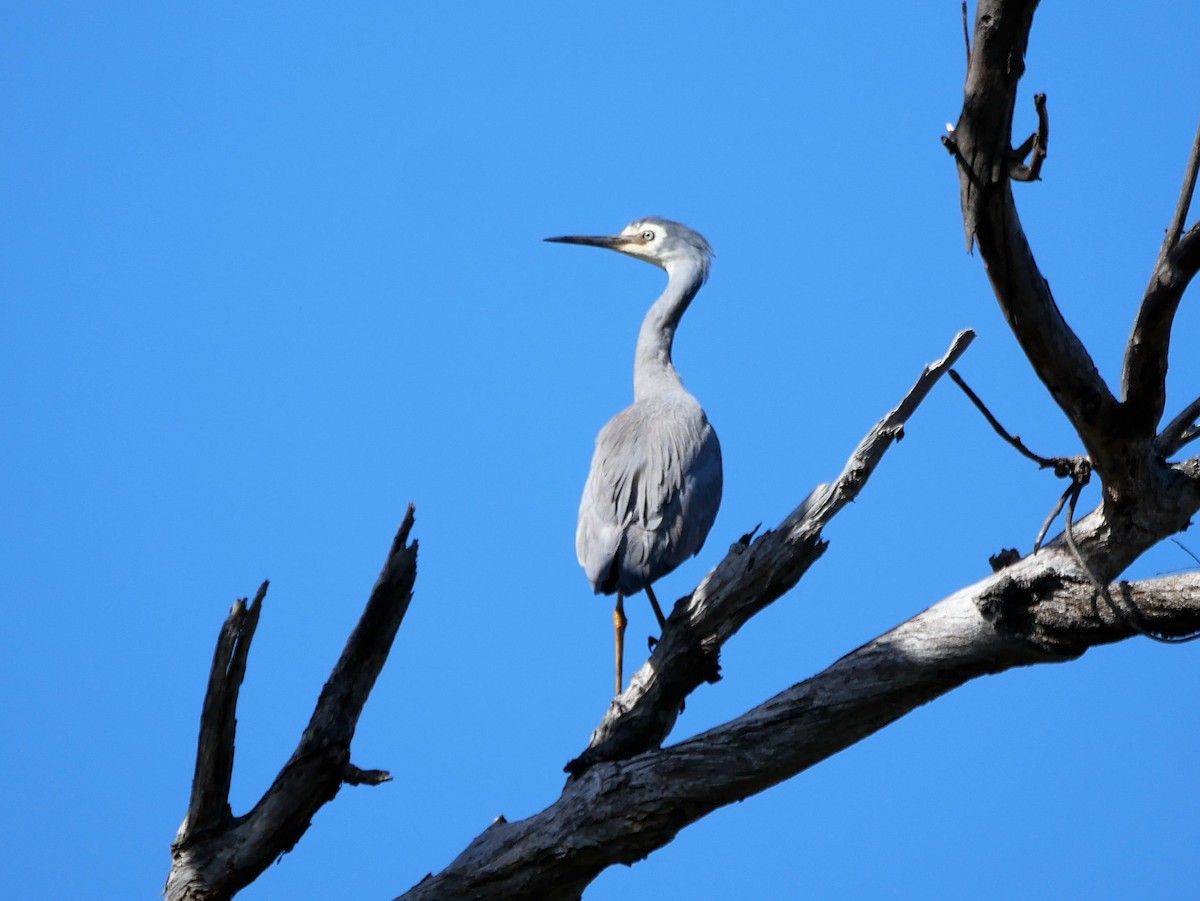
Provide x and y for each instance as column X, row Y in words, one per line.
column 619, row 622
column 662, row 620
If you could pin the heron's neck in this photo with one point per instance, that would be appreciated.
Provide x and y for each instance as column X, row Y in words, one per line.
column 653, row 370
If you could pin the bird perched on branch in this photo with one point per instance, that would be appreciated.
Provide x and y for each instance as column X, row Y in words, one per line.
column 655, row 482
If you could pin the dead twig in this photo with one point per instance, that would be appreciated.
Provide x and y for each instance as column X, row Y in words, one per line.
column 1036, row 142
column 1077, row 469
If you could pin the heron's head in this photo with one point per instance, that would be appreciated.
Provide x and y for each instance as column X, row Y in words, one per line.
column 659, row 241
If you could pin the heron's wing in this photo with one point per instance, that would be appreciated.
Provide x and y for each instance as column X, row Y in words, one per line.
column 651, row 496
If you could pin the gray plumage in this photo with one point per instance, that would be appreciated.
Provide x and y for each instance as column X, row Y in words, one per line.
column 655, row 482
column 652, row 493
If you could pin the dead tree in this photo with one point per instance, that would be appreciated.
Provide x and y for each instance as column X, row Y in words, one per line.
column 627, row 794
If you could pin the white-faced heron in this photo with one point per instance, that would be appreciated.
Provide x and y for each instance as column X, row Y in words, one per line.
column 655, row 483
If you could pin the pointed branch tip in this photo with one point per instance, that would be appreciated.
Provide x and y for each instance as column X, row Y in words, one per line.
column 352, row 775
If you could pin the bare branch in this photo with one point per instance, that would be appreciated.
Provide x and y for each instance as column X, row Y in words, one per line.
column 750, row 577
column 215, row 854
column 1039, row 610
column 1144, row 376
column 1180, row 430
column 1175, row 229
column 966, row 32
column 209, row 805
column 1015, row 441
column 981, row 143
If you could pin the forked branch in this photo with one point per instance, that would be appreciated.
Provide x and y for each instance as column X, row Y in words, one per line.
column 1118, row 435
column 981, row 140
column 209, row 805
column 215, row 853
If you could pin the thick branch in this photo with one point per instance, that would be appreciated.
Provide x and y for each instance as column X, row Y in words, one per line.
column 982, row 140
column 750, row 577
column 1039, row 610
column 215, row 854
column 1144, row 377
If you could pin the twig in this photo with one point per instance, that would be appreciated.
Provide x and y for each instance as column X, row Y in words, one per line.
column 1077, row 469
column 1043, row 462
column 352, row 775
column 966, row 32
column 1186, row 550
column 1037, row 542
column 1036, row 142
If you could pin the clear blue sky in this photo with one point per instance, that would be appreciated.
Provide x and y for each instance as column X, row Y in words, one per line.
column 269, row 272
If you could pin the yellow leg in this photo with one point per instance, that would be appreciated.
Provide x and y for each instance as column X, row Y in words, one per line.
column 619, row 622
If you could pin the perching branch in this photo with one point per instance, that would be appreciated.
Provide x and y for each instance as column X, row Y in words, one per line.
column 215, row 853
column 751, row 576
column 1039, row 610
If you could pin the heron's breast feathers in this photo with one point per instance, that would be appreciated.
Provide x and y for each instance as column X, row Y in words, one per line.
column 652, row 493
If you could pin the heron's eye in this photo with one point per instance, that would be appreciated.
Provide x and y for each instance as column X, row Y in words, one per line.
column 647, row 236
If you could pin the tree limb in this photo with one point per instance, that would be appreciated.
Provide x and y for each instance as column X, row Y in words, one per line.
column 981, row 141
column 1118, row 435
column 750, row 577
column 1038, row 611
column 209, row 805
column 1175, row 229
column 215, row 854
column 1180, row 430
column 1144, row 375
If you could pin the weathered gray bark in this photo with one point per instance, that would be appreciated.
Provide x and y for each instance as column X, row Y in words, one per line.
column 1040, row 610
column 627, row 795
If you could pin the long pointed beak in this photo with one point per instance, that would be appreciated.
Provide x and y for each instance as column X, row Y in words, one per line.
column 612, row 242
